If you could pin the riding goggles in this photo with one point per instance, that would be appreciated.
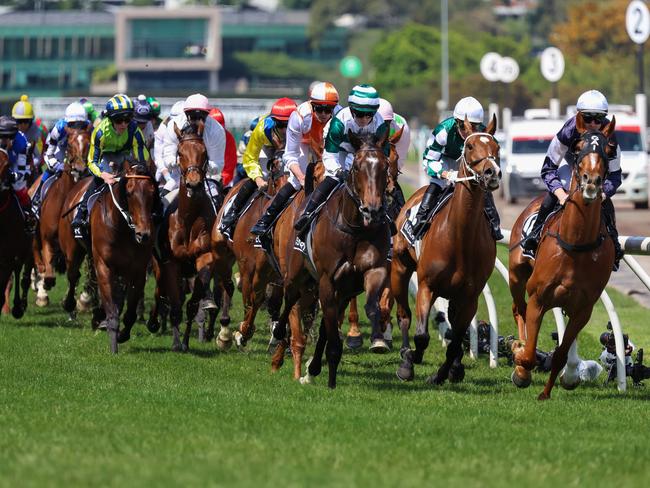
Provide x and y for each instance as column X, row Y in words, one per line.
column 593, row 117
column 326, row 109
column 281, row 124
column 196, row 115
column 362, row 115
column 77, row 124
column 122, row 119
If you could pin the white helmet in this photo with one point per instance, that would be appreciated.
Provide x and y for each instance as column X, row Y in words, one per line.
column 197, row 102
column 470, row 107
column 386, row 109
column 592, row 101
column 75, row 112
column 177, row 108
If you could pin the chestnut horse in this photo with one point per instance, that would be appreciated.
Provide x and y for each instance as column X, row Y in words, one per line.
column 349, row 243
column 121, row 229
column 456, row 258
column 187, row 251
column 46, row 242
column 573, row 263
column 16, row 245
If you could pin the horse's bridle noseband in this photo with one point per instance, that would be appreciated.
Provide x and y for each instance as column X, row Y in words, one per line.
column 475, row 176
column 196, row 168
column 595, row 142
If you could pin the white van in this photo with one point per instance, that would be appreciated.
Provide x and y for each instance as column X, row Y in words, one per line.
column 528, row 140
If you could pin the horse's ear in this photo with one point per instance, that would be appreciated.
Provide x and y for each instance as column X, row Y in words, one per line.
column 397, row 136
column 580, row 123
column 381, row 140
column 467, row 126
column 492, row 126
column 609, row 128
column 354, row 140
column 178, row 132
column 199, row 128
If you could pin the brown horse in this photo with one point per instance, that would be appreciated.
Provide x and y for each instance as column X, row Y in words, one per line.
column 187, row 252
column 121, row 229
column 456, row 258
column 46, row 242
column 349, row 243
column 16, row 244
column 573, row 263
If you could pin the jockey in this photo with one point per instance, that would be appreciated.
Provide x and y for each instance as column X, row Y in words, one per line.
column 594, row 107
column 304, row 138
column 23, row 113
column 397, row 122
column 57, row 142
column 142, row 114
column 360, row 117
column 240, row 172
column 440, row 160
column 162, row 173
column 15, row 144
column 230, row 154
column 155, row 110
column 195, row 110
column 91, row 113
column 115, row 139
column 273, row 124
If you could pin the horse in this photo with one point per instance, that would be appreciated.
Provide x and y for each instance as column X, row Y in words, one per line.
column 350, row 240
column 186, row 241
column 46, row 244
column 121, row 229
column 573, row 263
column 456, row 257
column 15, row 247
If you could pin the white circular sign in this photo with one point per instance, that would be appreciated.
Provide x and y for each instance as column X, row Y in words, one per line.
column 637, row 21
column 490, row 66
column 508, row 70
column 552, row 64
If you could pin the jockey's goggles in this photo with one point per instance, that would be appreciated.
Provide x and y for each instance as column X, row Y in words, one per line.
column 362, row 115
column 593, row 117
column 325, row 109
column 281, row 124
column 77, row 124
column 25, row 121
column 461, row 125
column 196, row 114
column 122, row 119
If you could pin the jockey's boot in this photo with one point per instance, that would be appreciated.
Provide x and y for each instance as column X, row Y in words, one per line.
column 426, row 205
column 532, row 241
column 316, row 199
column 229, row 220
column 26, row 206
column 397, row 201
column 80, row 219
column 610, row 223
column 493, row 216
column 36, row 199
column 279, row 202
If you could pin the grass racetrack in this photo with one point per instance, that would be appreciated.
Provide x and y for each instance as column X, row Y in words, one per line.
column 71, row 414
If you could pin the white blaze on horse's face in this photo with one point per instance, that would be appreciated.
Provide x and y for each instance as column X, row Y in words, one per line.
column 591, row 179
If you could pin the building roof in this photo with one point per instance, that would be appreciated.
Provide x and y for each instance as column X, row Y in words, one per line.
column 51, row 17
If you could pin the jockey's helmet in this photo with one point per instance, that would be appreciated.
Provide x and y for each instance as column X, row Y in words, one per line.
column 118, row 105
column 283, row 108
column 142, row 111
column 386, row 109
column 592, row 101
column 324, row 93
column 469, row 107
column 75, row 112
column 22, row 109
column 155, row 106
column 217, row 115
column 177, row 108
column 91, row 113
column 363, row 98
column 197, row 102
column 8, row 126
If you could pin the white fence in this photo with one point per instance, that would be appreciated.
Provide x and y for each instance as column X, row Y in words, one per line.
column 632, row 245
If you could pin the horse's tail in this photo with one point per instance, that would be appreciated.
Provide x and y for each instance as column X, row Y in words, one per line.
column 309, row 178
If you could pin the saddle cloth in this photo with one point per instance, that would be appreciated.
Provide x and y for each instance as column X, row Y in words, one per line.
column 407, row 227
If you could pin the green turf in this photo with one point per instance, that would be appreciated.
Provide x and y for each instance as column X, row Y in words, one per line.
column 73, row 415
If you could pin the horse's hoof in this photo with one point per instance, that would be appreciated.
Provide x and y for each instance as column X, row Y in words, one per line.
column 417, row 356
column 123, row 336
column 389, row 344
column 224, row 339
column 42, row 301
column 569, row 385
column 435, row 380
column 405, row 372
column 101, row 325
column 403, row 351
column 201, row 334
column 49, row 283
column 379, row 346
column 185, row 347
column 354, row 342
column 456, row 374
column 208, row 304
column 543, row 396
column 177, row 347
column 313, row 369
column 521, row 381
column 273, row 344
column 240, row 342
column 153, row 325
column 72, row 316
column 306, row 380
column 17, row 312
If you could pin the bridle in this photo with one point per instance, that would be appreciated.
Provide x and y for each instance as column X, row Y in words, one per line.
column 194, row 168
column 475, row 176
column 125, row 214
column 350, row 187
column 595, row 142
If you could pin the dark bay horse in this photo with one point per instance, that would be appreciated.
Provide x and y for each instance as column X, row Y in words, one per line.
column 456, row 258
column 187, row 252
column 47, row 242
column 15, row 245
column 573, row 263
column 350, row 242
column 121, row 229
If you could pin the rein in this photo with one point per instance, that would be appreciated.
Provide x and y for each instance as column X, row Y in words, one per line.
column 475, row 177
column 125, row 214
